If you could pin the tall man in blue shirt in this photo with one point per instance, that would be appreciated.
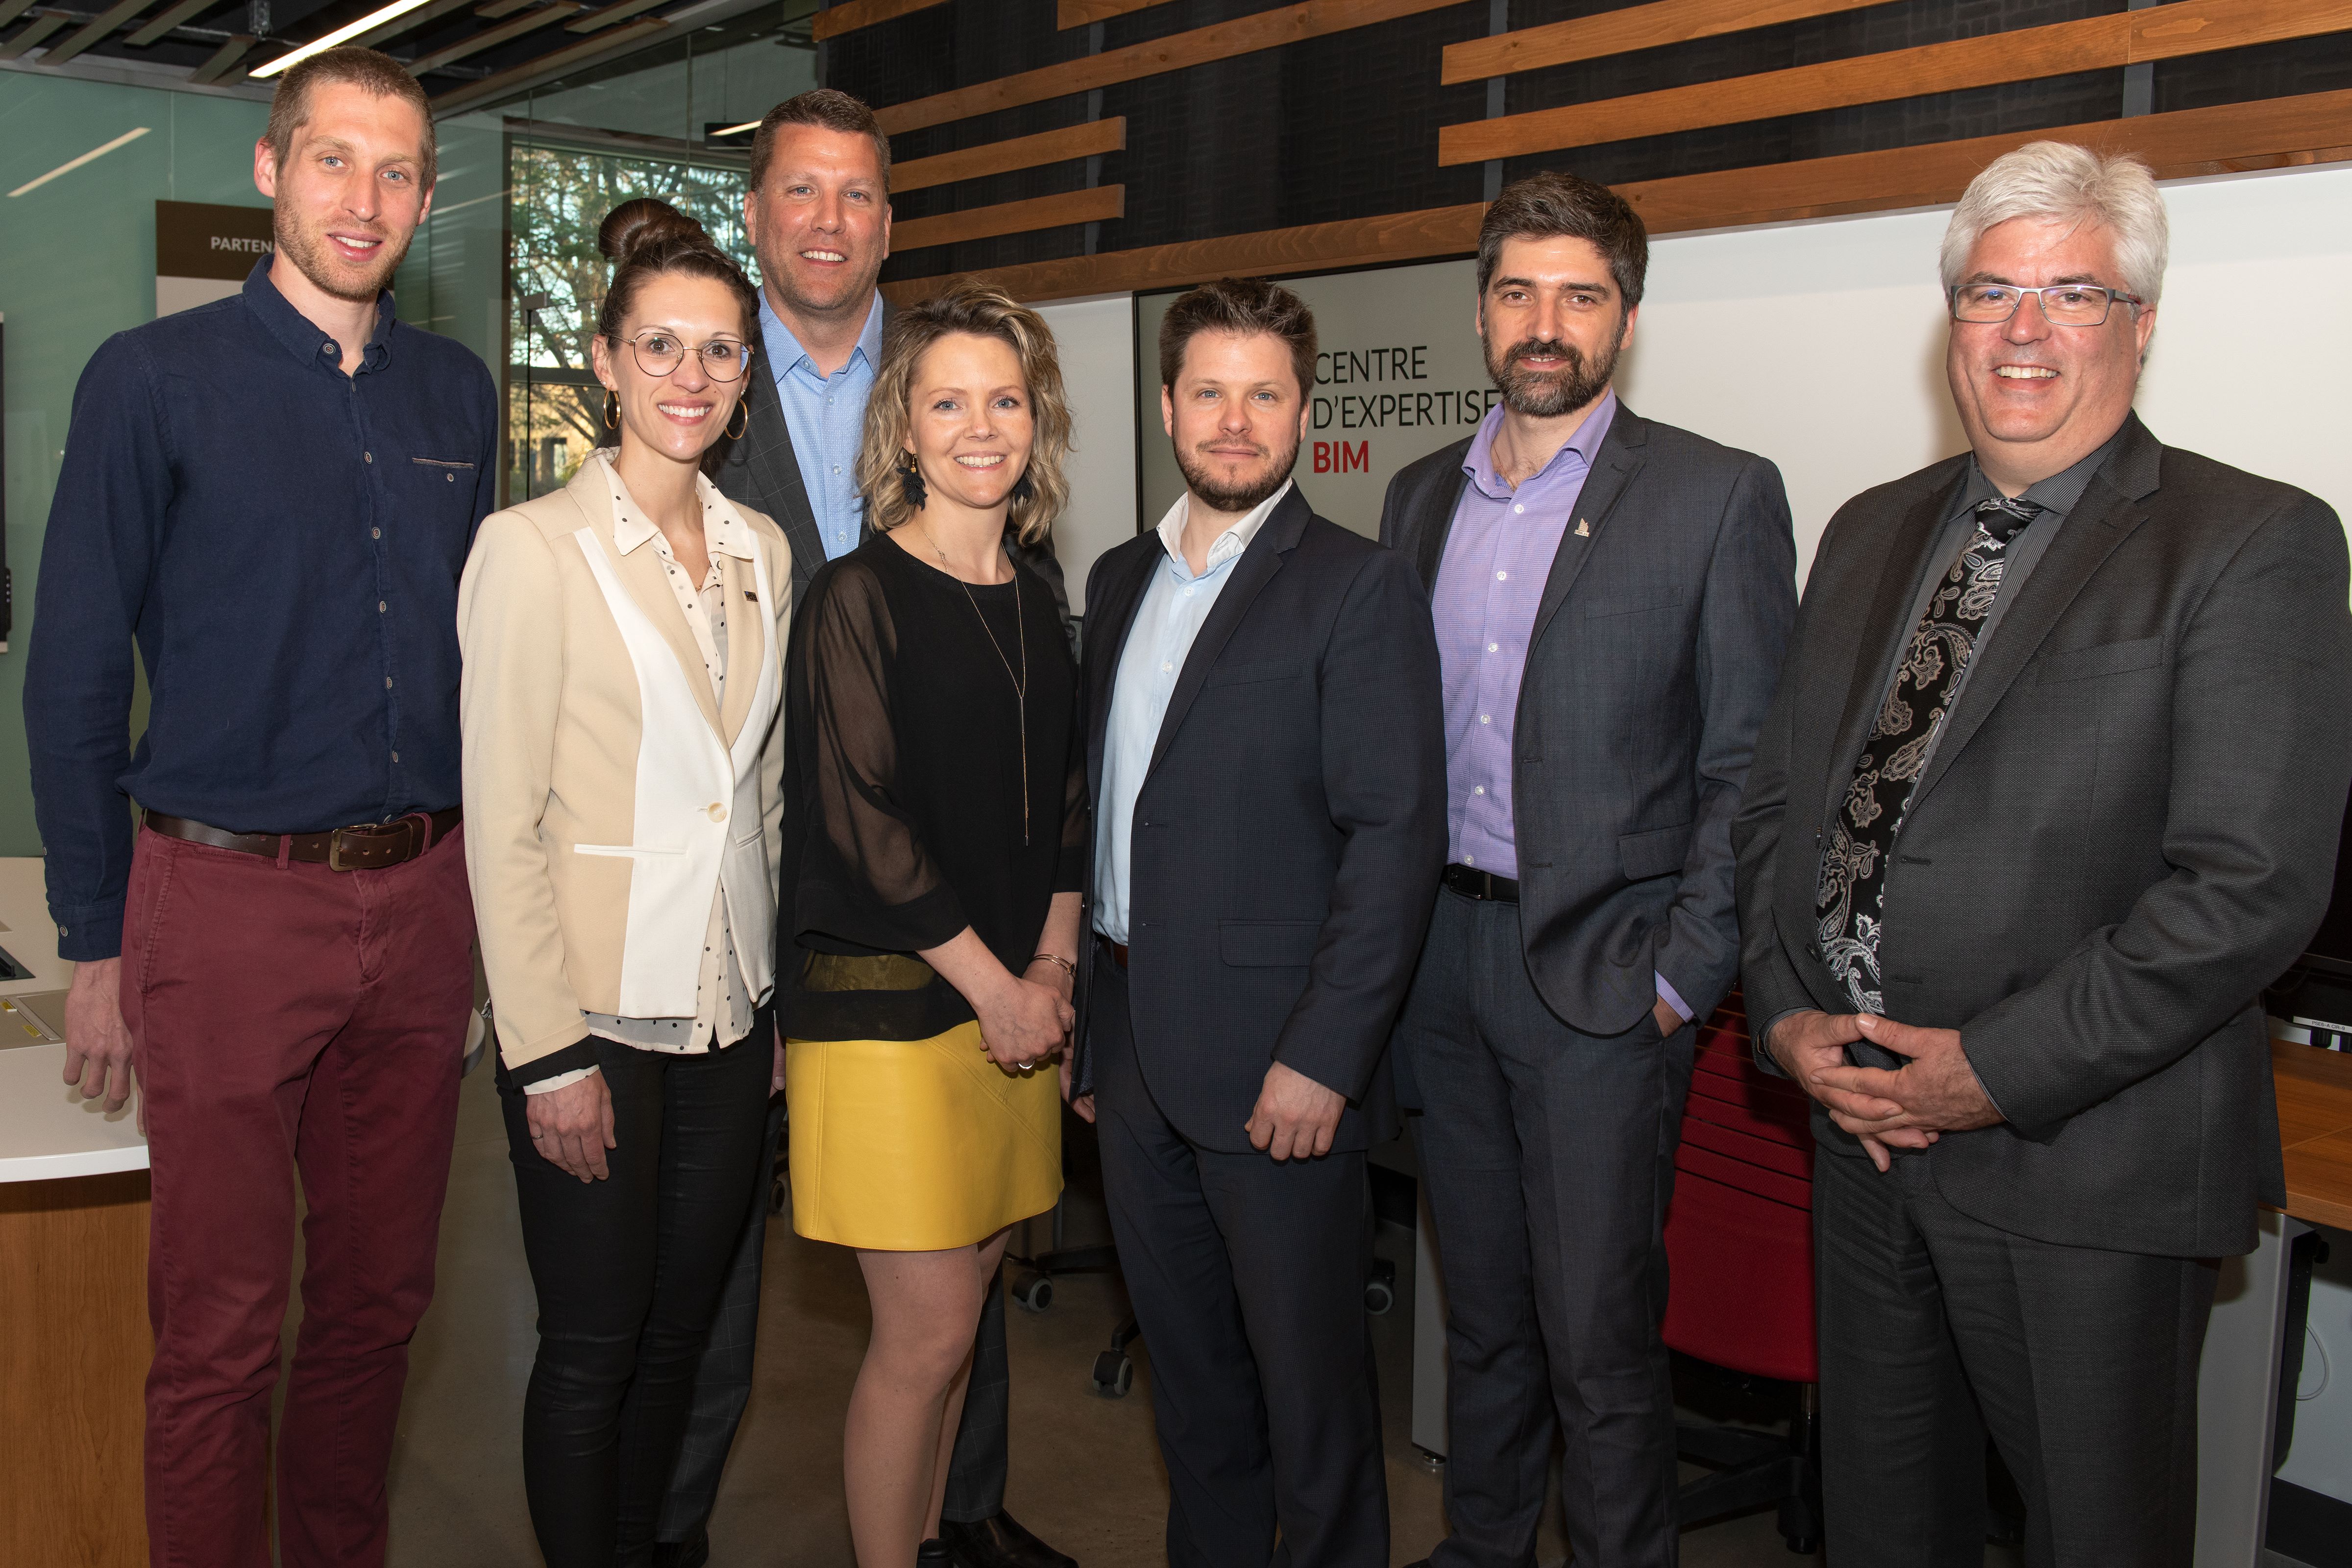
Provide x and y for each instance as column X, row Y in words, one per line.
column 1611, row 597
column 818, row 215
column 274, row 494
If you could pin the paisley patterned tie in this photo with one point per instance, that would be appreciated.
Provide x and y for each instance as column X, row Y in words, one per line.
column 1853, row 886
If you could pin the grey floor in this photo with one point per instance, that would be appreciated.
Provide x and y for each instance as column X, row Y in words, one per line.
column 1085, row 1472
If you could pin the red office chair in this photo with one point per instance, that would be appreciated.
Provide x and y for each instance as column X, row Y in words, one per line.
column 1739, row 1241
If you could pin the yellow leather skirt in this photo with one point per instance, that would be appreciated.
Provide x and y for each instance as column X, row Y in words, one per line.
column 918, row 1145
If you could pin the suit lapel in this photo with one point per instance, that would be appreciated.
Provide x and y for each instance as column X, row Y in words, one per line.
column 1107, row 627
column 2102, row 521
column 775, row 470
column 1434, row 525
column 1252, row 573
column 640, row 571
column 1906, row 546
column 747, row 642
column 1621, row 457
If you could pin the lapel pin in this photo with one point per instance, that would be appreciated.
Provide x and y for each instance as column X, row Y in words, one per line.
column 1583, row 529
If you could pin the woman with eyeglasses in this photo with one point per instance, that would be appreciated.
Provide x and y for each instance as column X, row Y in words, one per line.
column 623, row 757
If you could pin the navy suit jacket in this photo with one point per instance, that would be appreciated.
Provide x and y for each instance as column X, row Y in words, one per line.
column 1290, row 829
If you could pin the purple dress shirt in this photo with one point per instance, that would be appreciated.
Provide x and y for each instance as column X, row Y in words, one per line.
column 1498, row 555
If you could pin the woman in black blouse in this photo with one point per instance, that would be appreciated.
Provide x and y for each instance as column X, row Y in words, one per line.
column 936, row 795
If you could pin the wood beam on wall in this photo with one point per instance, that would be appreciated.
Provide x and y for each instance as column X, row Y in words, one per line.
column 851, row 14
column 1002, row 157
column 1070, row 14
column 2185, row 144
column 43, row 25
column 2092, row 43
column 1094, row 205
column 1219, row 41
column 170, row 20
column 1621, row 32
column 98, row 27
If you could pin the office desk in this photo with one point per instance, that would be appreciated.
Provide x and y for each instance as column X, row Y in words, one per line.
column 2314, row 1103
column 74, row 1340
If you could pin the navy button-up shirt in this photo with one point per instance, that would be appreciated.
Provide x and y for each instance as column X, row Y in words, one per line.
column 284, row 542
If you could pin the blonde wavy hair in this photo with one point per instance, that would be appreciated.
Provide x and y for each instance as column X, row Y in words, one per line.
column 967, row 305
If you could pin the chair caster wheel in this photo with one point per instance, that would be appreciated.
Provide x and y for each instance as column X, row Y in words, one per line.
column 1803, row 1545
column 1114, row 1374
column 780, row 1196
column 1035, row 1292
column 1379, row 1290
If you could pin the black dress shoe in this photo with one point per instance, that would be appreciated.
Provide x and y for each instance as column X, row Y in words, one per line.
column 1000, row 1542
column 692, row 1553
column 936, row 1550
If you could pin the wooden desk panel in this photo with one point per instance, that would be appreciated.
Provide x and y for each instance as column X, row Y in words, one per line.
column 2314, row 1103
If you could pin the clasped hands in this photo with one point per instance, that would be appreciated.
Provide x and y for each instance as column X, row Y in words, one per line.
column 1934, row 1091
column 1026, row 1020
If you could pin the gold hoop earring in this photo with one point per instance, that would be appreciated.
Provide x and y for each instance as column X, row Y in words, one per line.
column 744, row 408
column 611, row 409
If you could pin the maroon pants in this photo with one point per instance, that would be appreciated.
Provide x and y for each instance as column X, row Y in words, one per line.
column 284, row 1017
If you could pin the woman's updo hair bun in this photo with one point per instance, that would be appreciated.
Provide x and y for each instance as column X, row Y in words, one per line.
column 644, row 239
column 642, row 223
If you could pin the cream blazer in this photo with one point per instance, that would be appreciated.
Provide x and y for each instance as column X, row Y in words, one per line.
column 604, row 787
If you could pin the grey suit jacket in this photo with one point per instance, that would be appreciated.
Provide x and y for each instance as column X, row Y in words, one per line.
column 2127, row 829
column 761, row 470
column 1655, row 647
column 1289, row 830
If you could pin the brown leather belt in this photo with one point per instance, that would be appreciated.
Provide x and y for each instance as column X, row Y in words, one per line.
column 1118, row 950
column 367, row 846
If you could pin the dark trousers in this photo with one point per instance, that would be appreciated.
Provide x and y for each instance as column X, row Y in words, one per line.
column 1547, row 1156
column 1248, row 1280
column 1936, row 1327
column 289, row 1018
column 629, row 1271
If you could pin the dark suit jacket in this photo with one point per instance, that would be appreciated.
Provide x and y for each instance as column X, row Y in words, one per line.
column 1289, row 832
column 761, row 468
column 2127, row 829
column 1656, row 648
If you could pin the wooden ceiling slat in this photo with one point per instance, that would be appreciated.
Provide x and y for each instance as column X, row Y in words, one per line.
column 33, row 32
column 434, row 12
column 606, row 16
column 497, row 8
column 2181, row 144
column 12, row 9
column 1079, row 13
column 491, row 37
column 851, row 14
column 223, row 59
column 1219, row 41
column 167, row 21
column 2092, row 43
column 1091, row 205
column 98, row 27
column 1002, row 157
column 541, row 66
column 1621, row 32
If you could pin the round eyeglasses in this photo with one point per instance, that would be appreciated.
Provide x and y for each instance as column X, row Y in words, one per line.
column 658, row 353
column 2063, row 304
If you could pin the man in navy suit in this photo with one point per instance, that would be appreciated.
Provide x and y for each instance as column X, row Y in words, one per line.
column 1268, row 786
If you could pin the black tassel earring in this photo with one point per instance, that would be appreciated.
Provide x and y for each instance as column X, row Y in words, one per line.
column 1023, row 490
column 910, row 483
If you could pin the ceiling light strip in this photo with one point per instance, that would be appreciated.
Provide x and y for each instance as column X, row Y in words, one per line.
column 344, row 34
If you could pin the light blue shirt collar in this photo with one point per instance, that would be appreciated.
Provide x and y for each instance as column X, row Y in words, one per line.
column 787, row 355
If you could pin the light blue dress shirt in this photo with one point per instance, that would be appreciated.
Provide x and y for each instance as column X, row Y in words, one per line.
column 1173, row 608
column 827, row 414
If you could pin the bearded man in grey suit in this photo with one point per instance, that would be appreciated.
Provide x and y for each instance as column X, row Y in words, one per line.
column 817, row 211
column 1611, row 597
column 2051, row 790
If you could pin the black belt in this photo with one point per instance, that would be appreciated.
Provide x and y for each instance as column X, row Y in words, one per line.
column 1472, row 883
column 368, row 847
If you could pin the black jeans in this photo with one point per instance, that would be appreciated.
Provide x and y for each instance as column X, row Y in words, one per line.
column 629, row 1271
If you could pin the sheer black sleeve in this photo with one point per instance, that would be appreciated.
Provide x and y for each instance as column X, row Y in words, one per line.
column 869, row 877
column 1078, row 840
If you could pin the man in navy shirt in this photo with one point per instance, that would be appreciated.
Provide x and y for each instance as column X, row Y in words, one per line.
column 273, row 495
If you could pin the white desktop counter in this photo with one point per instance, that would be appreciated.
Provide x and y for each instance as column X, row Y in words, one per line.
column 73, row 1340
